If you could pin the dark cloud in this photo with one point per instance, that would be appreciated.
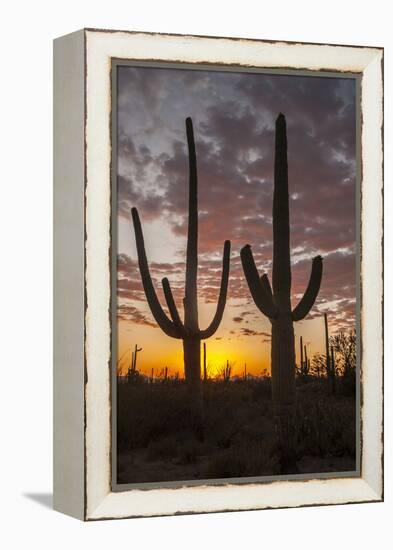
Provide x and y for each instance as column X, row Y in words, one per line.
column 234, row 130
column 250, row 332
column 134, row 315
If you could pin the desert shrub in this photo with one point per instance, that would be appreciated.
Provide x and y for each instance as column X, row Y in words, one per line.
column 326, row 426
column 148, row 412
column 226, row 464
column 347, row 384
column 189, row 450
column 261, row 389
column 248, row 461
column 163, row 448
column 183, row 449
column 225, row 436
column 238, row 435
column 258, row 428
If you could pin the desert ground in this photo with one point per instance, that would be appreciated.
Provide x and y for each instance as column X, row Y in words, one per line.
column 238, row 439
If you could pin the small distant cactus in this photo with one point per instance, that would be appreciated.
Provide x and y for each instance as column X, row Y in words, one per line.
column 306, row 364
column 226, row 371
column 304, row 367
column 134, row 357
column 330, row 367
column 187, row 330
column 132, row 373
column 276, row 303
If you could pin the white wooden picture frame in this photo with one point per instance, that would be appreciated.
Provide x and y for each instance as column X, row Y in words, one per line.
column 82, row 252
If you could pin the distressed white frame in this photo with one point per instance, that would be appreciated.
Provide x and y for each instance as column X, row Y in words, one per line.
column 100, row 48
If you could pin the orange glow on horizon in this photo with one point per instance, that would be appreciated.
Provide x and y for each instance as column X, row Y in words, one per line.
column 160, row 351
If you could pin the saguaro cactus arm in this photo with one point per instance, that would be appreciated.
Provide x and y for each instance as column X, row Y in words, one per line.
column 172, row 307
column 266, row 284
column 263, row 300
column 211, row 329
column 159, row 315
column 311, row 293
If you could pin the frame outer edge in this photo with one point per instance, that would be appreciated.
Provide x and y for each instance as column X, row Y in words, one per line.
column 372, row 273
column 68, row 272
column 102, row 504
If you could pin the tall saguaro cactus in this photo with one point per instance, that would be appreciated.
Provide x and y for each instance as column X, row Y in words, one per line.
column 276, row 303
column 187, row 330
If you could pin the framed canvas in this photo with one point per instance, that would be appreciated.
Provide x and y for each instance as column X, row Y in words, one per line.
column 218, row 269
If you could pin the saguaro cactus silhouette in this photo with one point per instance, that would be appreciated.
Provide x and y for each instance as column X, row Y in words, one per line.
column 226, row 371
column 187, row 330
column 306, row 362
column 134, row 357
column 304, row 367
column 276, row 303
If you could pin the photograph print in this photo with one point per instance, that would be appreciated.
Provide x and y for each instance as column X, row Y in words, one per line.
column 235, row 310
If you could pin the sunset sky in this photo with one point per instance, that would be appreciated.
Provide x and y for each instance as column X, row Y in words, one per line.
column 233, row 116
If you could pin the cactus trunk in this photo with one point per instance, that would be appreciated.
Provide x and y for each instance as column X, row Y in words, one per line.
column 283, row 365
column 276, row 304
column 204, row 362
column 283, row 389
column 192, row 359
